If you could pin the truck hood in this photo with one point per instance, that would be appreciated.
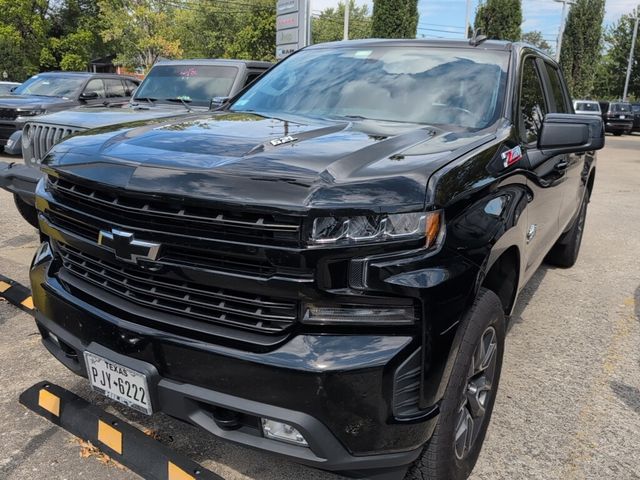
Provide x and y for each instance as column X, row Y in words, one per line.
column 291, row 164
column 32, row 102
column 94, row 117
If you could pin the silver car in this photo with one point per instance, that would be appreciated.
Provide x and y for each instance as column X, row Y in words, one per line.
column 587, row 107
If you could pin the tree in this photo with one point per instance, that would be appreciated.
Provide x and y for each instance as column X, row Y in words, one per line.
column 536, row 39
column 612, row 70
column 141, row 30
column 581, row 45
column 394, row 19
column 329, row 27
column 23, row 32
column 500, row 19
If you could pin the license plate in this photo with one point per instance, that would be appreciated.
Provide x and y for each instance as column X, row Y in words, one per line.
column 118, row 382
column 622, row 117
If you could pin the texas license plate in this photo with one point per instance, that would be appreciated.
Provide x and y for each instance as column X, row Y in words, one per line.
column 622, row 117
column 118, row 382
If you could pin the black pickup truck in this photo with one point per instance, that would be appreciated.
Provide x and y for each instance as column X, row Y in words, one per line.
column 171, row 88
column 324, row 268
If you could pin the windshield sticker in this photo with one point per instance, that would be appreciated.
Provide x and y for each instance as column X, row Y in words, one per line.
column 189, row 72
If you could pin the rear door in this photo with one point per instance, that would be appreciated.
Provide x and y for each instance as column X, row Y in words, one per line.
column 544, row 179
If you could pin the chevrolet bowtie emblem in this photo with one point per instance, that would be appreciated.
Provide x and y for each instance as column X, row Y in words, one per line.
column 126, row 247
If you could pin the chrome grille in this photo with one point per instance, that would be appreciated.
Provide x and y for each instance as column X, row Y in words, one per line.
column 161, row 293
column 40, row 138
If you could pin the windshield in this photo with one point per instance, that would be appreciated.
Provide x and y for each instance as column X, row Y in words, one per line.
column 66, row 86
column 620, row 107
column 195, row 84
column 587, row 107
column 422, row 85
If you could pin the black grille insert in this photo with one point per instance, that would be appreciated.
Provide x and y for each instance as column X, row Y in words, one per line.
column 150, row 213
column 212, row 305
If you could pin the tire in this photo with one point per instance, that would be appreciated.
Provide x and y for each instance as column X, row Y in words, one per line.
column 445, row 456
column 617, row 134
column 28, row 212
column 565, row 252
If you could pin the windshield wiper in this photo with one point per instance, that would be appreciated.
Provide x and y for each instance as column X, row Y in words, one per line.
column 146, row 99
column 181, row 100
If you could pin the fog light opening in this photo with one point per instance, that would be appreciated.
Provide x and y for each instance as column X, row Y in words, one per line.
column 282, row 432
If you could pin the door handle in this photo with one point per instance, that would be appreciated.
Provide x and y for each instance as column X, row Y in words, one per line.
column 561, row 166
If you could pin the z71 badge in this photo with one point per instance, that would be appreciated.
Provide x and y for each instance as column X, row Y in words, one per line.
column 512, row 156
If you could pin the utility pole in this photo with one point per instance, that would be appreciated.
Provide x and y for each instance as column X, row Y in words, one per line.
column 562, row 22
column 467, row 20
column 631, row 54
column 345, row 35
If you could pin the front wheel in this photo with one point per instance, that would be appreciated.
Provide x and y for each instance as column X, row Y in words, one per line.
column 468, row 401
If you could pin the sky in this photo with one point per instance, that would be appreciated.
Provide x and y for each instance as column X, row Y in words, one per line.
column 446, row 18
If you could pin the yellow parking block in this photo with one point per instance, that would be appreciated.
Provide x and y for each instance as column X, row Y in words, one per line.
column 49, row 401
column 176, row 473
column 111, row 437
column 4, row 286
column 27, row 302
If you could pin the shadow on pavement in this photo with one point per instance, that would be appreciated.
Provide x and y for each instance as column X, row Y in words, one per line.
column 526, row 295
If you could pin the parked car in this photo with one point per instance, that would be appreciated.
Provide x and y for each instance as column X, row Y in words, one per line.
column 55, row 91
column 635, row 108
column 617, row 117
column 587, row 107
column 323, row 268
column 6, row 87
column 172, row 87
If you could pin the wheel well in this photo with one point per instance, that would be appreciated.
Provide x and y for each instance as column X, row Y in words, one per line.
column 590, row 182
column 503, row 277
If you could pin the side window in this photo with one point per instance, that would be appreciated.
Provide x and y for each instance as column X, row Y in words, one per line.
column 95, row 85
column 532, row 103
column 130, row 87
column 115, row 88
column 251, row 77
column 557, row 90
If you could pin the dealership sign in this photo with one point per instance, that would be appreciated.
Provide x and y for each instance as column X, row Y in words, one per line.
column 293, row 26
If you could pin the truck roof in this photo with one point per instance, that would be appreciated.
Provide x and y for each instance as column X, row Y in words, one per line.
column 216, row 61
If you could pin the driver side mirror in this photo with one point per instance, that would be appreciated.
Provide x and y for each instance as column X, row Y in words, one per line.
column 88, row 96
column 570, row 133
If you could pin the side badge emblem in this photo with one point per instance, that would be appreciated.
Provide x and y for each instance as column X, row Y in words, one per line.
column 511, row 156
column 531, row 232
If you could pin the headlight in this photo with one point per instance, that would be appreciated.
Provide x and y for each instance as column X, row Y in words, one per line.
column 377, row 228
column 31, row 113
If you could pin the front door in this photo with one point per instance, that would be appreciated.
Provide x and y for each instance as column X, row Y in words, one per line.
column 546, row 176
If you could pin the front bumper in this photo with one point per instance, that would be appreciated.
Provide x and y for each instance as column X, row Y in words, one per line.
column 335, row 389
column 20, row 179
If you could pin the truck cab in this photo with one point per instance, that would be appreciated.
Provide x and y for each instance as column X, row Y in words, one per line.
column 323, row 268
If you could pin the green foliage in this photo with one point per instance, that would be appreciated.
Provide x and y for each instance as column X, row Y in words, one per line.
column 140, row 30
column 612, row 70
column 536, row 39
column 219, row 30
column 581, row 46
column 23, row 30
column 394, row 19
column 73, row 62
column 329, row 25
column 500, row 19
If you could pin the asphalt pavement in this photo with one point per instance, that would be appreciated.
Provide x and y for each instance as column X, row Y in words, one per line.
column 569, row 400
